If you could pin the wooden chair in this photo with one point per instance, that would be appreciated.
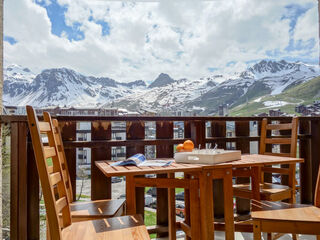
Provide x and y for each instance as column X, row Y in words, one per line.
column 88, row 210
column 271, row 191
column 56, row 202
column 287, row 218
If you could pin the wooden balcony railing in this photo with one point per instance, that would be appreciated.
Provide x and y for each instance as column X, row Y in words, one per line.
column 24, row 183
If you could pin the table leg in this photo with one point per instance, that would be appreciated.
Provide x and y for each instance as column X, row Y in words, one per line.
column 255, row 185
column 187, row 204
column 172, row 210
column 206, row 205
column 194, row 209
column 228, row 204
column 130, row 195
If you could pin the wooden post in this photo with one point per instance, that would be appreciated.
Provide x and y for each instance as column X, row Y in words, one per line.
column 198, row 133
column 33, row 222
column 242, row 129
column 69, row 133
column 100, row 184
column 305, row 168
column 135, row 131
column 164, row 130
column 18, row 180
column 315, row 153
column 218, row 129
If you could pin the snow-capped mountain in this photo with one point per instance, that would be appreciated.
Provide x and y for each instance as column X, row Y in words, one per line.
column 67, row 87
column 62, row 87
column 264, row 78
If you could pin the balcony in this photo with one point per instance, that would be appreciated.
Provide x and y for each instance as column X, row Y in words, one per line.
column 227, row 132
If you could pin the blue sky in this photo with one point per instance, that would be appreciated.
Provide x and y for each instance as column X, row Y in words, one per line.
column 130, row 41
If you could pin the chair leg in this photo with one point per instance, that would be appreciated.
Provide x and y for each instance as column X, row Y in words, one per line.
column 295, row 237
column 269, row 236
column 256, row 230
column 318, row 237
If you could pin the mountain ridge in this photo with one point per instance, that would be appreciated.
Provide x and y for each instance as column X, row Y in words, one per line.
column 62, row 86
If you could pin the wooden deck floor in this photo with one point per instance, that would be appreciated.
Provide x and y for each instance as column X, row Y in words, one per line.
column 249, row 236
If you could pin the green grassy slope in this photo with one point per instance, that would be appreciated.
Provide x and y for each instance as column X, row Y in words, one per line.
column 304, row 93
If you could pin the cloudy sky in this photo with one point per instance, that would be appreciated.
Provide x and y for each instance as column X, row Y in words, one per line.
column 138, row 40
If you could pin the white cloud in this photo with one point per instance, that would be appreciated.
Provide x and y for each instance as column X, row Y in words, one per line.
column 182, row 38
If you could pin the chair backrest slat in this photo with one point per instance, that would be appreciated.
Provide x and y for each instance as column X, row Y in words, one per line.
column 292, row 141
column 44, row 127
column 62, row 158
column 50, row 176
column 55, row 178
column 49, row 151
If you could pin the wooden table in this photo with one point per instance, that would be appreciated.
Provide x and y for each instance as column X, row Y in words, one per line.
column 251, row 163
column 134, row 178
column 204, row 174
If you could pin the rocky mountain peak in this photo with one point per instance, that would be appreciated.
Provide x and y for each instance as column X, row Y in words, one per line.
column 162, row 80
column 269, row 66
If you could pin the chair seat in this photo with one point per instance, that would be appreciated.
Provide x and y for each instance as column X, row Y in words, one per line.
column 119, row 228
column 278, row 211
column 96, row 209
column 268, row 191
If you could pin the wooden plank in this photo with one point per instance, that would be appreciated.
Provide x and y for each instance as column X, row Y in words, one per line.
column 100, row 184
column 286, row 126
column 72, row 167
column 242, row 129
column 55, row 178
column 187, row 129
column 228, row 204
column 315, row 153
column 275, row 170
column 306, row 167
column 135, row 130
column 68, row 133
column 286, row 149
column 15, row 118
column 206, row 205
column 130, row 195
column 198, row 133
column 101, row 130
column 194, row 209
column 128, row 143
column 49, row 152
column 23, row 176
column 164, row 130
column 172, row 209
column 44, row 127
column 263, row 133
column 18, row 180
column 278, row 140
column 161, row 183
column 218, row 129
column 187, row 206
column 108, row 170
column 33, row 222
column 61, row 203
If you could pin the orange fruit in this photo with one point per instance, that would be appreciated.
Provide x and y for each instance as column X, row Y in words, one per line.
column 180, row 148
column 188, row 145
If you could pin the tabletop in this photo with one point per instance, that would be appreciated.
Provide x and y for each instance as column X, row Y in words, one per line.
column 252, row 160
column 248, row 160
